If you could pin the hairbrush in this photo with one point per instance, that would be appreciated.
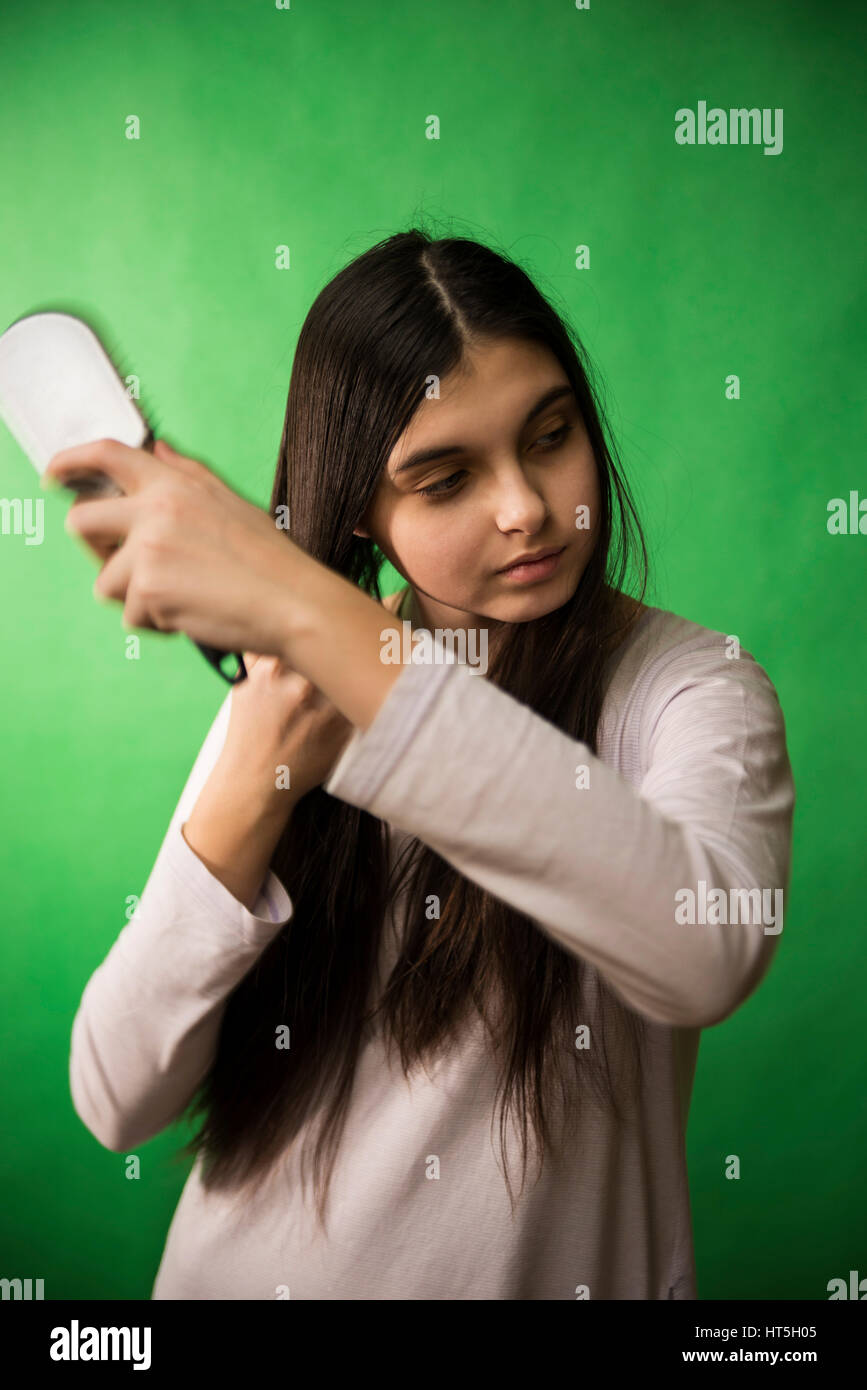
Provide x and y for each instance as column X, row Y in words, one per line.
column 59, row 388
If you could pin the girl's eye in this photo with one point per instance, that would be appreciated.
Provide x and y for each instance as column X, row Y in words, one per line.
column 558, row 436
column 438, row 489
column 446, row 485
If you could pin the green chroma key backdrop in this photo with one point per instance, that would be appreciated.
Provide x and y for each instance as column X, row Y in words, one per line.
column 543, row 128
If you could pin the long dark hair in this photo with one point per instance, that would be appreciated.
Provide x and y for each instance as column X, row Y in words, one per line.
column 406, row 309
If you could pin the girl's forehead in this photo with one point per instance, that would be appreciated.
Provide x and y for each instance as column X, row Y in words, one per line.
column 496, row 384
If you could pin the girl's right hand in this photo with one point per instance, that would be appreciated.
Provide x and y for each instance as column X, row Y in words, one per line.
column 278, row 717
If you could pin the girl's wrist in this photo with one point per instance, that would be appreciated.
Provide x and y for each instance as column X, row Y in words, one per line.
column 252, row 784
column 333, row 633
column 299, row 590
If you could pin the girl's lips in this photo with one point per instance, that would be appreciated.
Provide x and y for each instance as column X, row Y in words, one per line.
column 530, row 571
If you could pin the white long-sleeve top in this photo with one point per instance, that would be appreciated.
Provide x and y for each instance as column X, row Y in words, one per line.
column 691, row 790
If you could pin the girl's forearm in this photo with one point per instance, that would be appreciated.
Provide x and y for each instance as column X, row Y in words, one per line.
column 235, row 825
column 333, row 636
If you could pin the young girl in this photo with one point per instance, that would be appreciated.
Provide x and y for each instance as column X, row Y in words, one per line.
column 417, row 929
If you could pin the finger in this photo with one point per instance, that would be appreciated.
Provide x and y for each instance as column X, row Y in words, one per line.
column 105, row 522
column 102, row 551
column 129, row 468
column 136, row 609
column 191, row 468
column 113, row 579
column 135, row 614
column 182, row 462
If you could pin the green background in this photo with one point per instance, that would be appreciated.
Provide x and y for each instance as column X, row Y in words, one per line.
column 306, row 127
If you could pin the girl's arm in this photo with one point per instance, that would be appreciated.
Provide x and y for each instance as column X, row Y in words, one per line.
column 235, row 826
column 146, row 1027
column 491, row 786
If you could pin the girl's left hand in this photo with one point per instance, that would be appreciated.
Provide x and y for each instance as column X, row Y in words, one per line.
column 182, row 551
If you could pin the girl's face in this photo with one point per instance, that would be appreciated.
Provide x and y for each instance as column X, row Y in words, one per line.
column 505, row 485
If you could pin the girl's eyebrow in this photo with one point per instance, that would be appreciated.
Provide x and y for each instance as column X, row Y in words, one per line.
column 415, row 460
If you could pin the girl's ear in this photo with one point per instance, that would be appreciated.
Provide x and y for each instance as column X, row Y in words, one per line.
column 365, row 535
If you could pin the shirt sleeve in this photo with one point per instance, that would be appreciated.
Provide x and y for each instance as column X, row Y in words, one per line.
column 146, row 1028
column 490, row 785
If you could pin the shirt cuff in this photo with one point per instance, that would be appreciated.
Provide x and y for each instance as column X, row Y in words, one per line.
column 372, row 753
column 271, row 910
